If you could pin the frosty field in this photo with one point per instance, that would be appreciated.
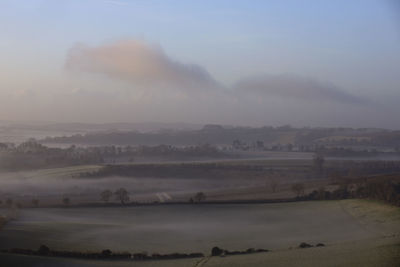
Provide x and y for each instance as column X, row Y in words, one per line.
column 183, row 228
column 353, row 231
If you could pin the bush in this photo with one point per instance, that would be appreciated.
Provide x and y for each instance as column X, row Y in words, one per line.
column 106, row 253
column 216, row 251
column 250, row 250
column 305, row 245
column 44, row 250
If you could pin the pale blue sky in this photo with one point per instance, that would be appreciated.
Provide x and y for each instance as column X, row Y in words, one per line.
column 353, row 44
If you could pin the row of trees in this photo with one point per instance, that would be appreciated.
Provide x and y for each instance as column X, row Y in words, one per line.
column 383, row 188
column 120, row 194
column 198, row 197
column 105, row 254
column 9, row 202
column 352, row 169
column 32, row 154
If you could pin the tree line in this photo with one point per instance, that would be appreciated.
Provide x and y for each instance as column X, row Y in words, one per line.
column 32, row 154
column 382, row 188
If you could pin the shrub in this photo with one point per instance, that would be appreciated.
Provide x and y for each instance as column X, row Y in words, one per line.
column 106, row 253
column 43, row 250
column 250, row 250
column 305, row 245
column 216, row 251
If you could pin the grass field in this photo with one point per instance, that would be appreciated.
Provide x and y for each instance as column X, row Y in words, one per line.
column 49, row 186
column 366, row 253
column 185, row 228
column 355, row 232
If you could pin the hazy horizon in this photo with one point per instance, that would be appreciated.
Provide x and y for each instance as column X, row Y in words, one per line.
column 173, row 125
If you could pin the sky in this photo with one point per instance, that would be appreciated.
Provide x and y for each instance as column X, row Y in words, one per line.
column 304, row 63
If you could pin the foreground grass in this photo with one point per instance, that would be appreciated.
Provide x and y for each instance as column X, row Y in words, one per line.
column 366, row 253
column 382, row 250
column 374, row 215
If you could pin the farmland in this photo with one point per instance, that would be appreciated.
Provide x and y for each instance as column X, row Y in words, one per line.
column 83, row 184
column 160, row 218
column 185, row 228
column 179, row 181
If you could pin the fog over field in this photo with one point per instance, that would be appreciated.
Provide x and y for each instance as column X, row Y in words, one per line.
column 139, row 188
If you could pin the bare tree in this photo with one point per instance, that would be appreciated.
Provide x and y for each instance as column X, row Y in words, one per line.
column 106, row 195
column 321, row 192
column 35, row 202
column 199, row 197
column 273, row 184
column 298, row 189
column 9, row 202
column 122, row 195
column 66, row 201
column 318, row 161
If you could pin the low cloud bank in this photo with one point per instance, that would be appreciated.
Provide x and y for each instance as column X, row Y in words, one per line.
column 145, row 65
column 136, row 81
column 295, row 87
column 138, row 63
